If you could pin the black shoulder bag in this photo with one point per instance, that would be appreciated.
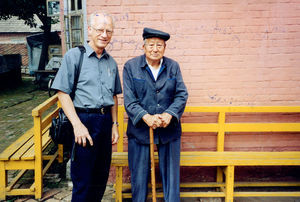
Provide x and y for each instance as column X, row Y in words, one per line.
column 61, row 130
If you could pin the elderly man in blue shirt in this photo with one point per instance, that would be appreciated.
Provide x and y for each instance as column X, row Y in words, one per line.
column 93, row 111
column 154, row 96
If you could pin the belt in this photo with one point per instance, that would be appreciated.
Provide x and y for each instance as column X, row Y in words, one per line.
column 102, row 110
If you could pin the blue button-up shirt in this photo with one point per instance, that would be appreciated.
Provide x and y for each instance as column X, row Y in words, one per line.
column 98, row 80
column 142, row 95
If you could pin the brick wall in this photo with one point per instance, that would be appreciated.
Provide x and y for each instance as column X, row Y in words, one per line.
column 15, row 44
column 230, row 53
column 15, row 49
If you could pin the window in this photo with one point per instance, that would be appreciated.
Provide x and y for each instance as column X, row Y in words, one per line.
column 53, row 8
column 74, row 24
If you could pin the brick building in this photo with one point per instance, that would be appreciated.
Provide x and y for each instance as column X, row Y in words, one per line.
column 13, row 33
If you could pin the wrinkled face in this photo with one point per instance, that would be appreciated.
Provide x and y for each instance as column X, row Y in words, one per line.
column 100, row 31
column 154, row 49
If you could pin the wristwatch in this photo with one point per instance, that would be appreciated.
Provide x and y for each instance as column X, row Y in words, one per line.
column 116, row 123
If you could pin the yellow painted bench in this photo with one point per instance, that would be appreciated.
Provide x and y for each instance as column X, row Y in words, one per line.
column 26, row 153
column 226, row 161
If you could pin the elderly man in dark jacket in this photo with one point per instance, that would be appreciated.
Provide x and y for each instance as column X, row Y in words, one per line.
column 155, row 96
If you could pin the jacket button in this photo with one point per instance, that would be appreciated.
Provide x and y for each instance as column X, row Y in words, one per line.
column 157, row 91
column 158, row 105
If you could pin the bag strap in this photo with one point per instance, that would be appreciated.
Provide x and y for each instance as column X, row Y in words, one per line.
column 77, row 71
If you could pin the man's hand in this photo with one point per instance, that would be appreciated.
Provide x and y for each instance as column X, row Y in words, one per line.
column 165, row 119
column 82, row 134
column 152, row 121
column 114, row 134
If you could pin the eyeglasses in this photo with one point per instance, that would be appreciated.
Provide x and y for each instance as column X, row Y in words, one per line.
column 101, row 31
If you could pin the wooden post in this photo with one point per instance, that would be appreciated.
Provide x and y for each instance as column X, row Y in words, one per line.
column 229, row 189
column 220, row 145
column 152, row 165
column 119, row 184
column 38, row 165
column 3, row 181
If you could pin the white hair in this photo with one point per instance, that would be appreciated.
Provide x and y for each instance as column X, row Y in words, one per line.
column 97, row 13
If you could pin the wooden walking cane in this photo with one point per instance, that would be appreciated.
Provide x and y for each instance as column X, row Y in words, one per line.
column 152, row 165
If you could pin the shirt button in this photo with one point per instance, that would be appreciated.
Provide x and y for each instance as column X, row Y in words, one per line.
column 157, row 91
column 158, row 105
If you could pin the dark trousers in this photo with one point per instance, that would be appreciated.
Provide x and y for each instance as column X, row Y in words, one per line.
column 169, row 165
column 91, row 164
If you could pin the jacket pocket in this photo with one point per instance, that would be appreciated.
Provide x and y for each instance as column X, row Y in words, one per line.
column 170, row 86
column 139, row 85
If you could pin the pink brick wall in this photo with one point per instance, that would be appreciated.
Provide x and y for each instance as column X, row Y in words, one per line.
column 230, row 52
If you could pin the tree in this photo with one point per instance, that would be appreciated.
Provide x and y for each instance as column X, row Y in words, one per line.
column 25, row 10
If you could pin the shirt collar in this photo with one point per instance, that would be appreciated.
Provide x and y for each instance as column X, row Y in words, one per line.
column 161, row 61
column 90, row 51
column 144, row 62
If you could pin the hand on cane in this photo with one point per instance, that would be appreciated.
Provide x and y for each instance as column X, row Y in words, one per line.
column 153, row 121
column 165, row 119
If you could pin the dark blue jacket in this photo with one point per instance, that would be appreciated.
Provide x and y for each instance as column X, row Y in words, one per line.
column 142, row 95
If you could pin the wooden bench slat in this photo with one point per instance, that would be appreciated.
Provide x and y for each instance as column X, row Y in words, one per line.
column 15, row 146
column 226, row 154
column 48, row 119
column 27, row 146
column 37, row 111
column 257, row 194
column 224, row 158
column 267, row 184
column 241, row 127
column 19, row 165
column 20, row 192
column 262, row 127
column 244, row 109
column 200, row 127
column 218, row 184
column 26, row 152
column 184, row 185
column 182, row 194
column 46, row 140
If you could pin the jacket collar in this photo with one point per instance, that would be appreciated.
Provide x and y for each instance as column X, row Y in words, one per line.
column 144, row 65
column 144, row 62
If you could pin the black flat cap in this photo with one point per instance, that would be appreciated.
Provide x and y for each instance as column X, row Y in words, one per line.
column 150, row 33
